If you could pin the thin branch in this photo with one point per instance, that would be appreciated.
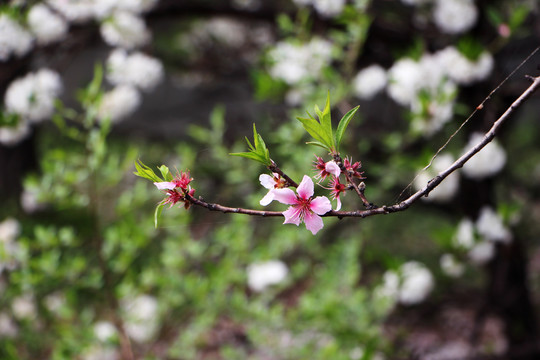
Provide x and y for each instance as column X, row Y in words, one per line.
column 432, row 184
column 274, row 168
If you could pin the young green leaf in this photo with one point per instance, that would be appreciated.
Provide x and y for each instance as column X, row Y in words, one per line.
column 320, row 130
column 145, row 172
column 167, row 176
column 258, row 151
column 157, row 214
column 342, row 126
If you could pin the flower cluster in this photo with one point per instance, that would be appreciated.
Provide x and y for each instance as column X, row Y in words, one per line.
column 177, row 189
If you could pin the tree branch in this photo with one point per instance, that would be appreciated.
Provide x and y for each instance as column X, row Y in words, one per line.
column 405, row 204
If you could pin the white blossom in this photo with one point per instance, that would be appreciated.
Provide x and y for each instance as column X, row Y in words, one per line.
column 487, row 162
column 404, row 81
column 463, row 70
column 119, row 103
column 104, row 8
column 10, row 250
column 24, row 307
column 55, row 302
column 75, row 11
column 455, row 16
column 446, row 190
column 482, row 252
column 451, row 266
column 464, row 236
column 329, row 8
column 14, row 39
column 100, row 352
column 141, row 317
column 30, row 198
column 490, row 226
column 410, row 285
column 416, row 2
column 294, row 63
column 104, row 330
column 226, row 31
column 8, row 328
column 125, row 30
column 46, row 26
column 417, row 283
column 369, row 81
column 32, row 96
column 12, row 135
column 137, row 69
column 262, row 275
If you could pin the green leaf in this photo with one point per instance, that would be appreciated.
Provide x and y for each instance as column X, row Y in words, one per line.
column 314, row 128
column 157, row 214
column 167, row 176
column 320, row 130
column 342, row 126
column 145, row 172
column 258, row 151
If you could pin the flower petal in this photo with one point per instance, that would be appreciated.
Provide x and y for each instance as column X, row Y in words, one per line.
column 285, row 196
column 305, row 189
column 313, row 222
column 292, row 215
column 165, row 185
column 267, row 181
column 332, row 168
column 338, row 205
column 320, row 205
column 267, row 199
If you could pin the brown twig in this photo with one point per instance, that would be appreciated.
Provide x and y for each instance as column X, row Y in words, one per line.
column 274, row 168
column 403, row 205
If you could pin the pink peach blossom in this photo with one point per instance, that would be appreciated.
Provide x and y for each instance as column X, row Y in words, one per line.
column 304, row 207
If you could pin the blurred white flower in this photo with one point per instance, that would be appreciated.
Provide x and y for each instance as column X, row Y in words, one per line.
column 293, row 63
column 32, row 96
column 369, row 81
column 262, row 275
column 451, row 266
column 455, row 16
column 141, row 317
column 487, row 162
column 125, row 30
column 446, row 190
column 451, row 350
column 137, row 69
column 10, row 136
column 24, row 307
column 8, row 328
column 490, row 226
column 226, row 31
column 29, row 198
column 329, row 8
column 482, row 252
column 416, row 2
column 9, row 230
column 404, row 81
column 104, row 330
column 55, row 302
column 99, row 352
column 119, row 103
column 463, row 70
column 75, row 11
column 10, row 249
column 464, row 236
column 410, row 285
column 417, row 283
column 46, row 26
column 104, row 8
column 14, row 39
